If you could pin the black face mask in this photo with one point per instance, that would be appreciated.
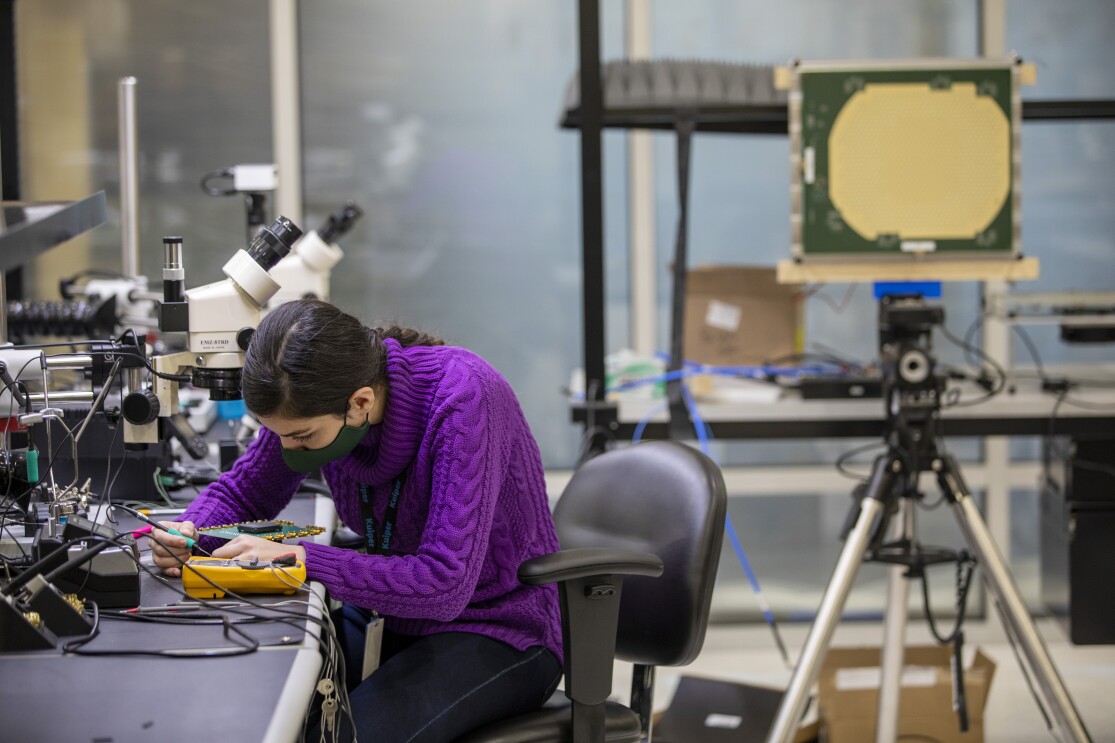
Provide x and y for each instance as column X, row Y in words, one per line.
column 308, row 460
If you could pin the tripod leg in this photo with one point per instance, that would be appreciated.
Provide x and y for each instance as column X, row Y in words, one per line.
column 1006, row 594
column 894, row 634
column 793, row 703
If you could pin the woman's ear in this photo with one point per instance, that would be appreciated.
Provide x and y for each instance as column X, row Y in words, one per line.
column 362, row 403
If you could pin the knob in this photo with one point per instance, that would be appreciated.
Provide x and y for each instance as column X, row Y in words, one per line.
column 244, row 337
column 141, row 407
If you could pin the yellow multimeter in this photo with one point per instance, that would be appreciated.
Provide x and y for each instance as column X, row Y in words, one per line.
column 283, row 575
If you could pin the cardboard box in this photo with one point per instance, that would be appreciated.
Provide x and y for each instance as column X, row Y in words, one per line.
column 849, row 692
column 739, row 316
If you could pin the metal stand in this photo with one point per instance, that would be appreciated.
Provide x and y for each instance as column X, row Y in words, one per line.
column 894, row 632
column 912, row 393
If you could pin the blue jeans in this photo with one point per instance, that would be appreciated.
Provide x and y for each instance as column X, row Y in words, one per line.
column 435, row 689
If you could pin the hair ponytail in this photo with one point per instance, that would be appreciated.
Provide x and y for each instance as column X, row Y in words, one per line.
column 407, row 337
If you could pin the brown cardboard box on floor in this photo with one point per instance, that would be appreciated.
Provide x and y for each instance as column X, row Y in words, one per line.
column 739, row 316
column 849, row 693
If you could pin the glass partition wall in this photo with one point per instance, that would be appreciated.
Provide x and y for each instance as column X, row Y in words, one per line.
column 439, row 120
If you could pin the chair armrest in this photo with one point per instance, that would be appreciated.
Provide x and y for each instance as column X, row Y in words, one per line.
column 585, row 562
column 590, row 584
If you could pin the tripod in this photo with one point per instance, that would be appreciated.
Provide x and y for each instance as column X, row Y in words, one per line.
column 912, row 392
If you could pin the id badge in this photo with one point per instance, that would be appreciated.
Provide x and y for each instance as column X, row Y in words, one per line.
column 373, row 642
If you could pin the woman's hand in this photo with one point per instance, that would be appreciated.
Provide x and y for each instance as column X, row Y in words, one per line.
column 245, row 547
column 168, row 551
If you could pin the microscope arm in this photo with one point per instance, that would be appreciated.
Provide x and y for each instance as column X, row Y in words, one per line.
column 193, row 442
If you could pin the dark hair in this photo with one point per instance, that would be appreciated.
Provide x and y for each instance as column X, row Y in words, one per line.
column 307, row 357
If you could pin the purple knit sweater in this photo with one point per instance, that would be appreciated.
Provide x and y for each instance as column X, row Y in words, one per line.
column 472, row 508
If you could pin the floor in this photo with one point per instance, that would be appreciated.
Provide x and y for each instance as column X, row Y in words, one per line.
column 748, row 654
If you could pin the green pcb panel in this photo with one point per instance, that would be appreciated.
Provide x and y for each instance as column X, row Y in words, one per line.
column 893, row 161
column 276, row 531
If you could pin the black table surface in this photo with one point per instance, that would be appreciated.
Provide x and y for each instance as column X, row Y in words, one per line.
column 49, row 695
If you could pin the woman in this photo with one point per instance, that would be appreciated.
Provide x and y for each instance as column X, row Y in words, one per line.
column 426, row 446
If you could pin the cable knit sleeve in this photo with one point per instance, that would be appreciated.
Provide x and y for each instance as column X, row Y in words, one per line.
column 468, row 463
column 258, row 486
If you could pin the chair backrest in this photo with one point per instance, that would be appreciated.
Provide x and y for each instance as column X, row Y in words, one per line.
column 665, row 498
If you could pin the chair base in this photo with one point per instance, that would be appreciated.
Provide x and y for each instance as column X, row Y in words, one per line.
column 553, row 724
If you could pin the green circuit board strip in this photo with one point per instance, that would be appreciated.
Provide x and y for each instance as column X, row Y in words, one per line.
column 285, row 530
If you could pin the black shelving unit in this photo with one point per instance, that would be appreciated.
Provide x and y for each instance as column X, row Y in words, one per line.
column 589, row 114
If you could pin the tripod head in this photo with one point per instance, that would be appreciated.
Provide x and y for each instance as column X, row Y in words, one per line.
column 912, row 388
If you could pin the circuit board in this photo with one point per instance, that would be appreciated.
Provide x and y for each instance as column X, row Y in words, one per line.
column 276, row 531
column 905, row 159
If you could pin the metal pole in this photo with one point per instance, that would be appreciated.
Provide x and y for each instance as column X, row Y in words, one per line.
column 786, row 724
column 129, row 178
column 991, row 42
column 1015, row 614
column 3, row 308
column 286, row 108
column 680, row 426
column 894, row 632
column 592, row 197
column 9, row 105
column 640, row 199
column 9, row 136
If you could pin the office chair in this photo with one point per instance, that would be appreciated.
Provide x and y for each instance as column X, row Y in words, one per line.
column 652, row 509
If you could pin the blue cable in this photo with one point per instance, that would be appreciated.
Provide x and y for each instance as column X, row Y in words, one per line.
column 693, row 369
column 704, row 435
column 635, row 437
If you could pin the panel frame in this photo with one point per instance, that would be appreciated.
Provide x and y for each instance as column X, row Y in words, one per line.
column 964, row 70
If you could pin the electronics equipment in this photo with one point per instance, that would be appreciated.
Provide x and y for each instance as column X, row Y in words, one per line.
column 47, row 600
column 247, row 576
column 254, row 181
column 912, row 393
column 1083, row 317
column 110, row 578
column 63, row 613
column 218, row 319
column 276, row 531
column 22, row 629
column 102, row 454
column 901, row 158
column 40, row 614
column 1077, row 553
column 840, row 387
column 92, row 318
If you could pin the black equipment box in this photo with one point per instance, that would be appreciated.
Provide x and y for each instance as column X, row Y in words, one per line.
column 103, row 457
column 1077, row 551
column 840, row 388
column 110, row 578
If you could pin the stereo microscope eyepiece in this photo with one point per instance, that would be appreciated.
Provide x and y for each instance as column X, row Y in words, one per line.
column 339, row 222
column 273, row 243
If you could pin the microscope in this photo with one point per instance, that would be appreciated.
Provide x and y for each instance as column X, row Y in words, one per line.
column 46, row 513
column 305, row 272
column 218, row 320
